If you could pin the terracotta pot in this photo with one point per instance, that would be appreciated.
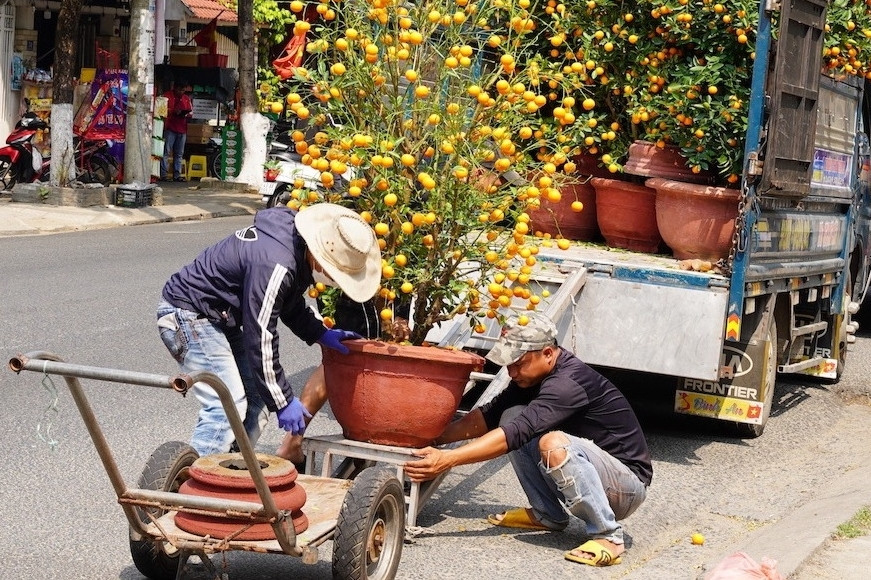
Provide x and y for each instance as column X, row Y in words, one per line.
column 696, row 221
column 559, row 219
column 393, row 394
column 648, row 160
column 225, row 476
column 626, row 213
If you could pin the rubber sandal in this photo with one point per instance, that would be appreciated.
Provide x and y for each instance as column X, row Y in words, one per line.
column 602, row 556
column 518, row 518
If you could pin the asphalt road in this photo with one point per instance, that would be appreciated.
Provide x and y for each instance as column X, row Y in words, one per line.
column 90, row 298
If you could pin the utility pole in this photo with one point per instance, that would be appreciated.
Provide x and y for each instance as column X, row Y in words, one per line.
column 137, row 144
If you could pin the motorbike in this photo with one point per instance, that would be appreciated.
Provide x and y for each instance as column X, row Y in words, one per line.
column 21, row 162
column 284, row 171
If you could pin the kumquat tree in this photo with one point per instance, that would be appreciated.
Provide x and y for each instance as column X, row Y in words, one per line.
column 425, row 118
column 677, row 72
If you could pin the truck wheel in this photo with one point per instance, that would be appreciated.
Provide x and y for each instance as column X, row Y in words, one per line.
column 769, row 378
column 371, row 527
column 165, row 470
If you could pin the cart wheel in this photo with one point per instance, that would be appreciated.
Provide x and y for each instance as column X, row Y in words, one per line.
column 371, row 527
column 165, row 470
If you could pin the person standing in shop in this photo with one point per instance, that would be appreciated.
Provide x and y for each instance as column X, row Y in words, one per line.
column 175, row 128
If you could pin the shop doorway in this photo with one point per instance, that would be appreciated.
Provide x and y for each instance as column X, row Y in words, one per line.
column 45, row 37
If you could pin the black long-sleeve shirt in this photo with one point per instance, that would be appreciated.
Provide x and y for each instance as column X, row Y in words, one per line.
column 576, row 400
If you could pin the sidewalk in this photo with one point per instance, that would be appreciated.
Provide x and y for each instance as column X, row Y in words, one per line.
column 191, row 200
column 800, row 542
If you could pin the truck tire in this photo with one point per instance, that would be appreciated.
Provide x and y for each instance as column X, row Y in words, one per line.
column 769, row 378
column 165, row 470
column 371, row 527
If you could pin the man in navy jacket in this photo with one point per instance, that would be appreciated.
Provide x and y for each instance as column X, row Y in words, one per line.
column 220, row 313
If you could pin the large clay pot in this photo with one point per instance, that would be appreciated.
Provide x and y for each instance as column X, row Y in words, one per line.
column 696, row 221
column 393, row 394
column 626, row 213
column 559, row 219
column 648, row 160
column 226, row 476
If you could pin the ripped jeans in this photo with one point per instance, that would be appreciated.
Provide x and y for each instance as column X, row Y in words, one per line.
column 590, row 485
column 198, row 345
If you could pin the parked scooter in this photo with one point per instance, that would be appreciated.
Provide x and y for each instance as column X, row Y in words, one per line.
column 21, row 162
column 285, row 171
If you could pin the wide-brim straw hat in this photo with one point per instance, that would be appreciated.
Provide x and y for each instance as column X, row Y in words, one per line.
column 344, row 246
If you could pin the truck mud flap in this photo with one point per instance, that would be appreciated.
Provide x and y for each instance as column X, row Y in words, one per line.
column 744, row 393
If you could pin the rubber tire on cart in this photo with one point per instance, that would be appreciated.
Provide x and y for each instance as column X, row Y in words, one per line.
column 165, row 470
column 769, row 359
column 371, row 527
column 280, row 196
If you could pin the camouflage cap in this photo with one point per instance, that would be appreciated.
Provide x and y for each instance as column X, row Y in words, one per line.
column 517, row 340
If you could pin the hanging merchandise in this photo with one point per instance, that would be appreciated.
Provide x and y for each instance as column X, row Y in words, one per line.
column 103, row 116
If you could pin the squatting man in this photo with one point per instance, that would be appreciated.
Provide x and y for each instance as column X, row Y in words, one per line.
column 571, row 436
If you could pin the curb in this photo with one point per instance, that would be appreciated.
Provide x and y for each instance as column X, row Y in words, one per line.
column 208, row 200
column 793, row 540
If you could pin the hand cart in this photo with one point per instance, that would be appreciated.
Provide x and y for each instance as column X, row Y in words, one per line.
column 365, row 517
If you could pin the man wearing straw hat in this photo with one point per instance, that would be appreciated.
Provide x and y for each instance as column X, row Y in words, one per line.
column 572, row 438
column 220, row 313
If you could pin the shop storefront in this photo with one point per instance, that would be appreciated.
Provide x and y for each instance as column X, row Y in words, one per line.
column 27, row 40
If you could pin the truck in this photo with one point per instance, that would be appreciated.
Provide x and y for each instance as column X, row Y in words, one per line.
column 798, row 267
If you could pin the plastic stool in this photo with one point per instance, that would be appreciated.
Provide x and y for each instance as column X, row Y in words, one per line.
column 197, row 166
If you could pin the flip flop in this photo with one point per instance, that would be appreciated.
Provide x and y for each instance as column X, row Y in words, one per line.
column 517, row 518
column 602, row 556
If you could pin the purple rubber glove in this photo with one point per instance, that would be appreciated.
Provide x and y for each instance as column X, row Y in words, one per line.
column 292, row 417
column 333, row 338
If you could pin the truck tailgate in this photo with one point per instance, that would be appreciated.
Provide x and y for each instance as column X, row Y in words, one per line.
column 643, row 312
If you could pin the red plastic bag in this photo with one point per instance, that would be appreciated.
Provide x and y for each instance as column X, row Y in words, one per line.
column 740, row 566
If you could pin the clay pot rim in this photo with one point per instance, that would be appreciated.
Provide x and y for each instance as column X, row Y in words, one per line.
column 640, row 188
column 686, row 188
column 384, row 348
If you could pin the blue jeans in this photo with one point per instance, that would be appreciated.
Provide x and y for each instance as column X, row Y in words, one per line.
column 173, row 147
column 590, row 485
column 198, row 345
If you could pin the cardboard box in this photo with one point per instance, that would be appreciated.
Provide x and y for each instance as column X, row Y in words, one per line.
column 184, row 55
column 199, row 133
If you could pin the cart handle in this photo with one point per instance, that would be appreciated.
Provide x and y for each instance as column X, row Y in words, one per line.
column 50, row 363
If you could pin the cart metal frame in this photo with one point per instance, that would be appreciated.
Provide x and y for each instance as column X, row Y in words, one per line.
column 325, row 495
